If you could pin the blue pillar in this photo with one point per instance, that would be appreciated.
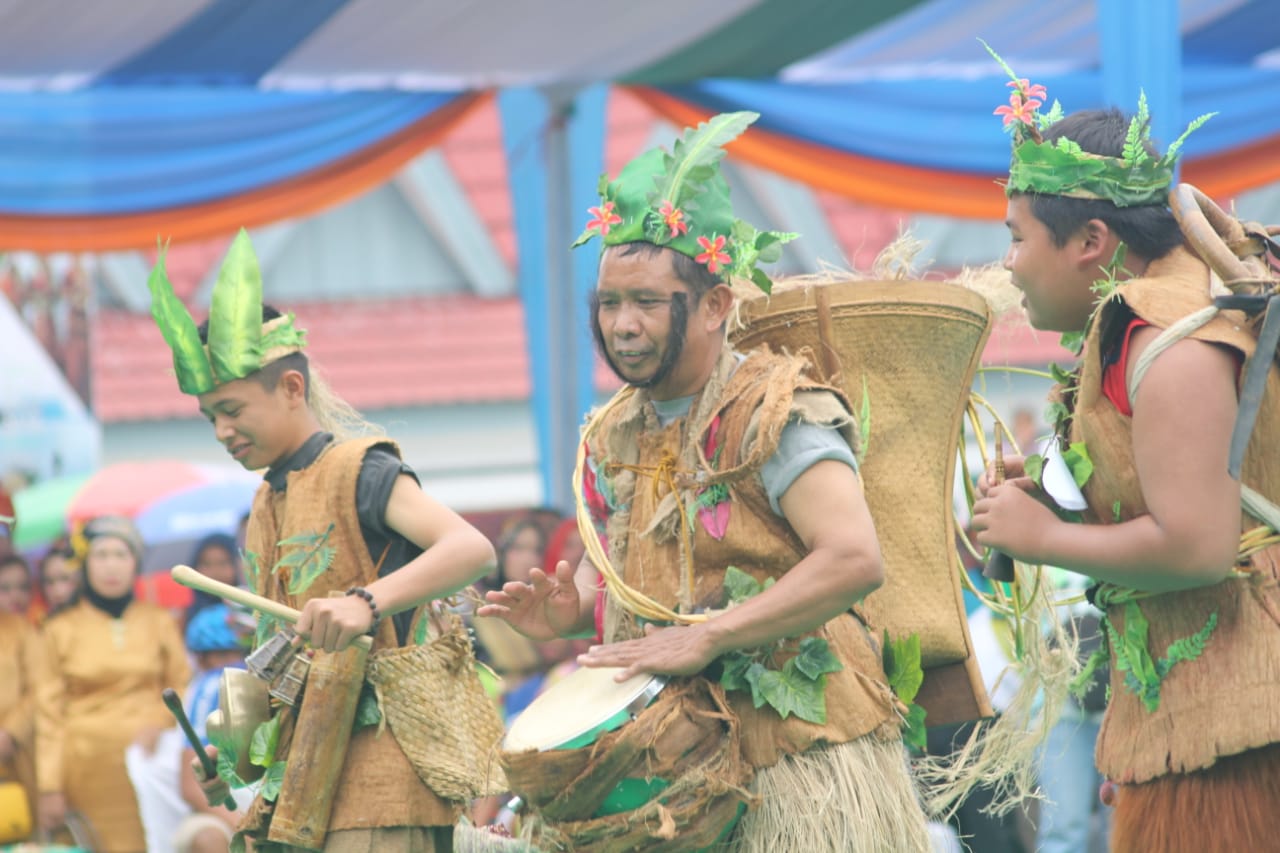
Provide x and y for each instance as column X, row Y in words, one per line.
column 554, row 144
column 1141, row 49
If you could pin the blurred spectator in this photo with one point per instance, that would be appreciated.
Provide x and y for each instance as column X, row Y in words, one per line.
column 565, row 544
column 17, row 728
column 15, row 585
column 7, row 515
column 106, row 659
column 520, row 548
column 216, row 557
column 214, row 637
column 58, row 576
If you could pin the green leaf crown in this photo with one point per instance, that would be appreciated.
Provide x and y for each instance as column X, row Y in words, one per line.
column 679, row 199
column 239, row 343
column 1063, row 168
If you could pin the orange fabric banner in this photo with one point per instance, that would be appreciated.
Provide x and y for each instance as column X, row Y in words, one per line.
column 299, row 196
column 973, row 196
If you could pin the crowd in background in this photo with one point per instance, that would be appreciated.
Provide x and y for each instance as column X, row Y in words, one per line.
column 88, row 645
column 85, row 653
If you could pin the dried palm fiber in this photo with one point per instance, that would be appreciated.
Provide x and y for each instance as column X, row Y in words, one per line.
column 855, row 797
column 438, row 711
column 687, row 737
column 908, row 350
column 335, row 414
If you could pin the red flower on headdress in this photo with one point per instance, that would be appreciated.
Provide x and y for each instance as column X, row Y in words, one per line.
column 1026, row 88
column 673, row 218
column 713, row 256
column 1019, row 109
column 604, row 219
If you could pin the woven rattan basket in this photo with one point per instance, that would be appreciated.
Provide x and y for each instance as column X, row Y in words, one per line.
column 914, row 347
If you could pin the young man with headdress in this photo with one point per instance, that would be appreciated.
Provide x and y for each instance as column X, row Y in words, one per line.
column 1190, row 735
column 710, row 459
column 391, row 548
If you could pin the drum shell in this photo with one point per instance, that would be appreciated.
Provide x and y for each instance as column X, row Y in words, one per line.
column 687, row 736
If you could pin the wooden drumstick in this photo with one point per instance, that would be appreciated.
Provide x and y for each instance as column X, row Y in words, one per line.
column 174, row 704
column 189, row 577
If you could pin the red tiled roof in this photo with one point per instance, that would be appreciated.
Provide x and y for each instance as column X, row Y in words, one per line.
column 375, row 354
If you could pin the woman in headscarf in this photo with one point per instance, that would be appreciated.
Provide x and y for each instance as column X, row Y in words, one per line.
column 106, row 660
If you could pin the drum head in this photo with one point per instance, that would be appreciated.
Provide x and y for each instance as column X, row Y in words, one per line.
column 584, row 700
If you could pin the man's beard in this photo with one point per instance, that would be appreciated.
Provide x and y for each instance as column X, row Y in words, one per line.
column 675, row 341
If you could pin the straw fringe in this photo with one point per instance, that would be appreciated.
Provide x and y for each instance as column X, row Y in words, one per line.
column 1001, row 754
column 855, row 797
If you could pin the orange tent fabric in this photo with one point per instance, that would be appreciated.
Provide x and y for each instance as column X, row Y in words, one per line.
column 299, row 196
column 973, row 196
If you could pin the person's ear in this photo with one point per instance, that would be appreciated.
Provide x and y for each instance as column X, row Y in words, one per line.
column 1097, row 244
column 717, row 302
column 294, row 387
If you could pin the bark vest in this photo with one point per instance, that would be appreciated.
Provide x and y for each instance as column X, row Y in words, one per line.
column 734, row 426
column 1227, row 700
column 378, row 786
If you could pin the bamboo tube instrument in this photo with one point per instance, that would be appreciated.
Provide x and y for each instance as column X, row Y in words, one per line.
column 322, row 731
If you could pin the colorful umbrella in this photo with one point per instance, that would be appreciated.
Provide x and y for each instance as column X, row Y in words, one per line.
column 42, row 511
column 172, row 525
column 174, row 503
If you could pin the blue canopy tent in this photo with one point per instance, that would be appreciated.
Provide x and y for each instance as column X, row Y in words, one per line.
column 123, row 122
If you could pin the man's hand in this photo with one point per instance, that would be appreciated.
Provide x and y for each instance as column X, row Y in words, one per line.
column 332, row 623
column 678, row 650
column 8, row 747
column 1013, row 521
column 52, row 810
column 215, row 789
column 543, row 609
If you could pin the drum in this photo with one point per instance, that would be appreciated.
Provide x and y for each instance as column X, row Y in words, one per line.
column 635, row 765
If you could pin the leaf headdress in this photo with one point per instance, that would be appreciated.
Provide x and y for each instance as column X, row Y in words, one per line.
column 679, row 199
column 1063, row 168
column 239, row 343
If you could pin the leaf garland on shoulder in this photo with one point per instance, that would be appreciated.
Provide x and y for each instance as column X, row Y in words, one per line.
column 1058, row 412
column 797, row 687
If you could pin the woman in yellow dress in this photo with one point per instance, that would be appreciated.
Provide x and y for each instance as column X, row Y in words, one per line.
column 17, row 673
column 106, row 660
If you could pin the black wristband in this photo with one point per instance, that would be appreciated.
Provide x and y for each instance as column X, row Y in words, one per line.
column 373, row 605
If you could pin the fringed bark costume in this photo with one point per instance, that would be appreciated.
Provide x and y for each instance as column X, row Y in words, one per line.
column 674, row 494
column 1191, row 735
column 1170, row 741
column 633, row 463
column 368, row 756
